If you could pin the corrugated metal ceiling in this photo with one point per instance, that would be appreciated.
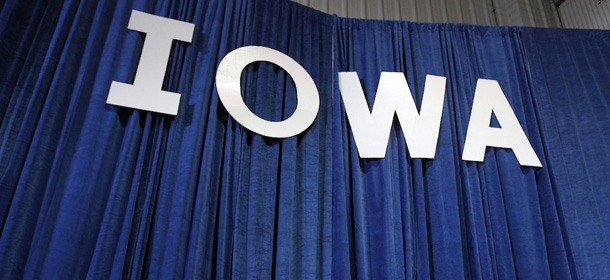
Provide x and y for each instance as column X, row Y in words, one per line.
column 585, row 14
column 539, row 13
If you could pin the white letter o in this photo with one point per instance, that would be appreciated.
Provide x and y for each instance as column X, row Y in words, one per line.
column 229, row 92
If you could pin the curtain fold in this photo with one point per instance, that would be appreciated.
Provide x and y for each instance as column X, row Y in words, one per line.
column 569, row 70
column 91, row 190
column 456, row 219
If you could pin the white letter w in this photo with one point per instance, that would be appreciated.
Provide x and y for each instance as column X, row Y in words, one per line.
column 372, row 129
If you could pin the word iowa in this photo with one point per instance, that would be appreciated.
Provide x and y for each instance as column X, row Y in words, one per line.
column 370, row 128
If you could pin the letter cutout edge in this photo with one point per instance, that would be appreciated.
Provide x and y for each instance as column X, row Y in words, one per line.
column 488, row 98
column 229, row 92
column 146, row 93
column 371, row 129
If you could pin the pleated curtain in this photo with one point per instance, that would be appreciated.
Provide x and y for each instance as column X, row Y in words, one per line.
column 90, row 190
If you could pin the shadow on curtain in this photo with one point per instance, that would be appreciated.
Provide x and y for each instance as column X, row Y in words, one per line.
column 90, row 190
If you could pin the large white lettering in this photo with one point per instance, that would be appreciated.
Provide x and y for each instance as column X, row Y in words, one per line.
column 372, row 129
column 146, row 93
column 229, row 92
column 488, row 98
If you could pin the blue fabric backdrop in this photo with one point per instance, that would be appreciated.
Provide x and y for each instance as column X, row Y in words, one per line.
column 90, row 190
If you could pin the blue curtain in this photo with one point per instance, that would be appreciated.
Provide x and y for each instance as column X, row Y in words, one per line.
column 90, row 190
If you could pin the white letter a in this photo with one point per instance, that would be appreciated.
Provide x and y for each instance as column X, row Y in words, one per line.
column 488, row 98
